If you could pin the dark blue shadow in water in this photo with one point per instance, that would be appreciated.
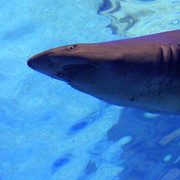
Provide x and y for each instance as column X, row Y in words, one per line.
column 79, row 126
column 19, row 32
column 60, row 163
column 152, row 140
column 84, row 123
column 90, row 168
column 106, row 4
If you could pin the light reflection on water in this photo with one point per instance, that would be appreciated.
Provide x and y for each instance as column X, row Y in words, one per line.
column 141, row 17
column 49, row 131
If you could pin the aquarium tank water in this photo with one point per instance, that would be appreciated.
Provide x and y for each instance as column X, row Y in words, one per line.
column 50, row 131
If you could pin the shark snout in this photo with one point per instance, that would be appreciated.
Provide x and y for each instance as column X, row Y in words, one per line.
column 39, row 62
column 62, row 67
column 43, row 63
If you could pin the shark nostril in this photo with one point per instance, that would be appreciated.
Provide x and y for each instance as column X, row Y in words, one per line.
column 72, row 46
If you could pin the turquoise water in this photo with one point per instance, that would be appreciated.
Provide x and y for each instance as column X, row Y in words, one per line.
column 49, row 131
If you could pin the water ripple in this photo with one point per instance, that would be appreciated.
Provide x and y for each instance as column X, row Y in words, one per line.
column 141, row 17
column 32, row 103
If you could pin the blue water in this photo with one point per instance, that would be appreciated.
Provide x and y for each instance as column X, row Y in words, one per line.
column 49, row 131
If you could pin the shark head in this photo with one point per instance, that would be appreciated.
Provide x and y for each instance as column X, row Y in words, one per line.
column 61, row 63
column 68, row 62
column 139, row 72
column 89, row 68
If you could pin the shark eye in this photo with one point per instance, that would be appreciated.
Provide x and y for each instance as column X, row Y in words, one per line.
column 72, row 46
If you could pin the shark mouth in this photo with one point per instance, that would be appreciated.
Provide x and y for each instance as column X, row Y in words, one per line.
column 67, row 72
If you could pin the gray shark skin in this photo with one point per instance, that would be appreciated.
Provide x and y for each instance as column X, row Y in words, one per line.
column 141, row 72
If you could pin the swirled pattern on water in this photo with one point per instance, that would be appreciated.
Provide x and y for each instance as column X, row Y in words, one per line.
column 141, row 17
column 49, row 131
